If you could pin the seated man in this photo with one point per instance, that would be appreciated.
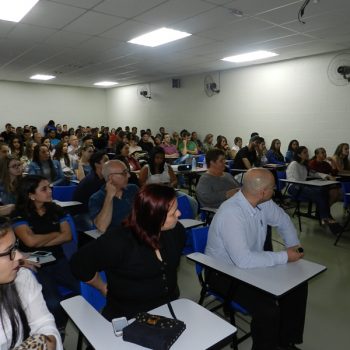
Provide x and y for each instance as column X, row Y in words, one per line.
column 215, row 186
column 112, row 203
column 87, row 187
column 247, row 156
column 236, row 236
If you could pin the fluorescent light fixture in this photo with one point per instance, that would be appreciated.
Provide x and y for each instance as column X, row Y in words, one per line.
column 15, row 10
column 42, row 77
column 159, row 37
column 106, row 83
column 250, row 56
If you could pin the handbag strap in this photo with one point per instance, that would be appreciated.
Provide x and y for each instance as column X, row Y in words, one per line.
column 171, row 310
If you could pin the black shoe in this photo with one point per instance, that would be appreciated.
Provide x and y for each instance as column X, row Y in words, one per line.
column 335, row 228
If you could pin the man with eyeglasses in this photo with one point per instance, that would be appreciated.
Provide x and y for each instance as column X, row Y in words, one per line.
column 113, row 202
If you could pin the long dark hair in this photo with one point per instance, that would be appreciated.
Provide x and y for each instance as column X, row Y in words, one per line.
column 24, row 205
column 149, row 213
column 296, row 156
column 12, row 147
column 5, row 174
column 59, row 154
column 36, row 159
column 152, row 167
column 290, row 148
column 10, row 303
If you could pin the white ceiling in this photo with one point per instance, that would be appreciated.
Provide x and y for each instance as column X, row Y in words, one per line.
column 84, row 41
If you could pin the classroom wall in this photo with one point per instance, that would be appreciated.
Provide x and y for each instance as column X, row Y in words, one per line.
column 286, row 100
column 36, row 104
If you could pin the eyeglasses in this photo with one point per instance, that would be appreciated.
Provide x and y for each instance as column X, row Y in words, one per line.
column 16, row 166
column 12, row 251
column 125, row 172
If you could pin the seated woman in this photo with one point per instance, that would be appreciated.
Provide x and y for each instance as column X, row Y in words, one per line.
column 83, row 163
column 47, row 142
column 319, row 163
column 274, row 155
column 169, row 149
column 140, row 257
column 10, row 172
column 221, row 143
column 64, row 158
column 158, row 171
column 122, row 150
column 16, row 147
column 133, row 146
column 292, row 147
column 208, row 143
column 238, row 142
column 340, row 158
column 42, row 225
column 43, row 165
column 23, row 311
column 298, row 170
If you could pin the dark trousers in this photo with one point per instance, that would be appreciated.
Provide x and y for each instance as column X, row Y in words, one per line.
column 274, row 321
column 51, row 276
column 315, row 194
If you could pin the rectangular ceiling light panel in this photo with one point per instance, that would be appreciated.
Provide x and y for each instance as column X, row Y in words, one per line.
column 42, row 77
column 250, row 56
column 15, row 10
column 106, row 83
column 159, row 37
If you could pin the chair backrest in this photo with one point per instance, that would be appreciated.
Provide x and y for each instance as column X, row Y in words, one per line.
column 63, row 193
column 185, row 208
column 199, row 241
column 281, row 175
column 345, row 186
column 69, row 248
column 92, row 295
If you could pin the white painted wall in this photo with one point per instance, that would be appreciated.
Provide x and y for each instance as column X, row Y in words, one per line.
column 286, row 100
column 36, row 104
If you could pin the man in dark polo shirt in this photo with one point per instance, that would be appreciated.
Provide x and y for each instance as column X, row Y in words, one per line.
column 247, row 157
column 87, row 187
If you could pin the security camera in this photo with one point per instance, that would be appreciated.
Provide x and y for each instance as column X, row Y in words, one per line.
column 345, row 72
column 144, row 93
column 213, row 87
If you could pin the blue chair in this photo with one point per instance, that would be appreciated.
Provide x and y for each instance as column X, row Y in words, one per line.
column 185, row 208
column 199, row 239
column 63, row 193
column 345, row 186
column 92, row 295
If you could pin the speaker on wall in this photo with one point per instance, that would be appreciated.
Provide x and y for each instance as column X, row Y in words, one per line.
column 176, row 83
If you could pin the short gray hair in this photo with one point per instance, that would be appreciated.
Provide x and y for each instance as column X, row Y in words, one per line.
column 107, row 167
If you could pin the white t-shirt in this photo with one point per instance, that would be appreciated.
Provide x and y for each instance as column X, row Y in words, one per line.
column 40, row 320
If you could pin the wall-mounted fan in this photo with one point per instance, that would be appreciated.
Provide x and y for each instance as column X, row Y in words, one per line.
column 144, row 92
column 339, row 69
column 211, row 88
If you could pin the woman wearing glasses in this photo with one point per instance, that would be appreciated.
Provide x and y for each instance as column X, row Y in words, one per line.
column 140, row 257
column 42, row 225
column 23, row 311
column 10, row 172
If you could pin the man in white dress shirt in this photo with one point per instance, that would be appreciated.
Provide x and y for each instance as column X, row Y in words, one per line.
column 236, row 236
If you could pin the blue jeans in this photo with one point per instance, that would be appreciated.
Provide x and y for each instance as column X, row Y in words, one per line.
column 51, row 276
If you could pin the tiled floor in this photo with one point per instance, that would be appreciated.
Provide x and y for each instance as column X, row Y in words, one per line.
column 328, row 312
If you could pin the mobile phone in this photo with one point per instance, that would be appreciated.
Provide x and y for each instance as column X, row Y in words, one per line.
column 118, row 325
column 41, row 254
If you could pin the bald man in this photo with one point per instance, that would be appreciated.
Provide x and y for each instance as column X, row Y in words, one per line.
column 113, row 202
column 236, row 236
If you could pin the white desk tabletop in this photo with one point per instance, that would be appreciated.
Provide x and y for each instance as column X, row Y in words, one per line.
column 276, row 280
column 312, row 182
column 94, row 233
column 67, row 203
column 212, row 210
column 189, row 223
column 203, row 328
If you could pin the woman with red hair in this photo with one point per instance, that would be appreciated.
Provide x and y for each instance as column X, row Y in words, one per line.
column 140, row 257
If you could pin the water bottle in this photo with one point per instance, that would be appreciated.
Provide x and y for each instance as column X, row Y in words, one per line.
column 194, row 164
column 204, row 163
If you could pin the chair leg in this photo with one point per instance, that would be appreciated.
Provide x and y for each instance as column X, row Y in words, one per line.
column 80, row 341
column 297, row 210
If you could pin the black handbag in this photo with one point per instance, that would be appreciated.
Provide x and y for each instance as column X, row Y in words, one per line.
column 154, row 331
